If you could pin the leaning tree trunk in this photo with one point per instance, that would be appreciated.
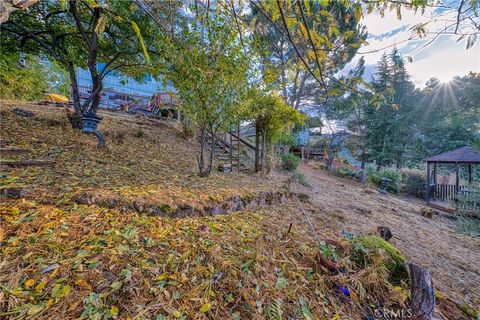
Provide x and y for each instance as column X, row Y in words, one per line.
column 422, row 301
column 76, row 117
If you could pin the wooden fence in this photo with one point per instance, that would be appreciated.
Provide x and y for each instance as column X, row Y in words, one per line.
column 466, row 198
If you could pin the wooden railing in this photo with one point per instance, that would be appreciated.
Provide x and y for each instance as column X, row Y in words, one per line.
column 465, row 199
column 446, row 192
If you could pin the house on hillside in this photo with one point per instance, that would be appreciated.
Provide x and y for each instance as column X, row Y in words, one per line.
column 121, row 91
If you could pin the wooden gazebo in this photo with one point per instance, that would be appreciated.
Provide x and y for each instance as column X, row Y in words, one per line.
column 465, row 156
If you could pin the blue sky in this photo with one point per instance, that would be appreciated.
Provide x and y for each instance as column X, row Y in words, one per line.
column 444, row 58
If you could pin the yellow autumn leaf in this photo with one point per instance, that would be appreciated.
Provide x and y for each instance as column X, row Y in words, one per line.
column 40, row 286
column 114, row 310
column 84, row 284
column 49, row 303
column 161, row 277
column 336, row 317
column 29, row 283
column 206, row 307
column 177, row 314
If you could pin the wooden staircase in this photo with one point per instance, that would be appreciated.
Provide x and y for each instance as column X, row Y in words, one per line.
column 231, row 151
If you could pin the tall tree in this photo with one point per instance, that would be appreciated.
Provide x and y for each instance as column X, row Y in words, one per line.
column 83, row 33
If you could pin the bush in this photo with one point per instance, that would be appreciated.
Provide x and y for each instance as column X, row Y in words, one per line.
column 300, row 178
column 414, row 182
column 349, row 173
column 290, row 162
column 375, row 177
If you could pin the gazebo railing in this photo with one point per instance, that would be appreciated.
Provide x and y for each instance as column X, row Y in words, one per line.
column 448, row 193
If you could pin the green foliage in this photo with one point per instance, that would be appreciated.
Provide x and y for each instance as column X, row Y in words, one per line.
column 349, row 173
column 274, row 310
column 414, row 182
column 371, row 248
column 375, row 177
column 24, row 83
column 273, row 117
column 299, row 177
column 290, row 162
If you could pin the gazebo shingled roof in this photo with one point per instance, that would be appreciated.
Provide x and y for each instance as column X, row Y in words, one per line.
column 462, row 155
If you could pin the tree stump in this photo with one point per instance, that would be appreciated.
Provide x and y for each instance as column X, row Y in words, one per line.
column 422, row 301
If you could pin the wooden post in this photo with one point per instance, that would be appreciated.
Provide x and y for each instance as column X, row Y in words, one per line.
column 428, row 182
column 457, row 177
column 470, row 179
column 435, row 173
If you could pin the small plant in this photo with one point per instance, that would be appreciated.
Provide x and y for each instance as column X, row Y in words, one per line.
column 373, row 248
column 300, row 178
column 348, row 173
column 140, row 134
column 375, row 177
column 290, row 162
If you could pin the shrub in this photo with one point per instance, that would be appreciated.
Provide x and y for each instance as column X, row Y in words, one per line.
column 374, row 249
column 375, row 177
column 300, row 178
column 414, row 182
column 349, row 173
column 290, row 162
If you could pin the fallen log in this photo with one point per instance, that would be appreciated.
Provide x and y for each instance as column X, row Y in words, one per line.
column 26, row 163
column 422, row 301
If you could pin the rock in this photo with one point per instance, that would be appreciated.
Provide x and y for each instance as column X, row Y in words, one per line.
column 217, row 211
column 185, row 210
column 23, row 113
column 86, row 198
column 153, row 211
column 283, row 198
column 384, row 232
column 237, row 204
column 262, row 199
column 14, row 192
column 427, row 212
column 251, row 205
column 138, row 206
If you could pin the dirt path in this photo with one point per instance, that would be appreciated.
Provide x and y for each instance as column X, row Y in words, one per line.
column 347, row 205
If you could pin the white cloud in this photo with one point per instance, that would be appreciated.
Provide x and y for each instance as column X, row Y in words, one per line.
column 444, row 58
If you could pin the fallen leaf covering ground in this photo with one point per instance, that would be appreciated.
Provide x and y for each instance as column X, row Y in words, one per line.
column 65, row 260
column 147, row 163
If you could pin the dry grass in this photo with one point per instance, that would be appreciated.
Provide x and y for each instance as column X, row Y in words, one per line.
column 141, row 162
column 63, row 260
column 343, row 204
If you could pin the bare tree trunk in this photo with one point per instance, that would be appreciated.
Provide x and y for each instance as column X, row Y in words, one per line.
column 300, row 90
column 75, row 118
column 201, row 159
column 257, row 149
column 212, row 153
column 263, row 152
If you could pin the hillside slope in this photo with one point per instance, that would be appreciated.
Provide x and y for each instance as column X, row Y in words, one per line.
column 84, row 240
column 343, row 204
